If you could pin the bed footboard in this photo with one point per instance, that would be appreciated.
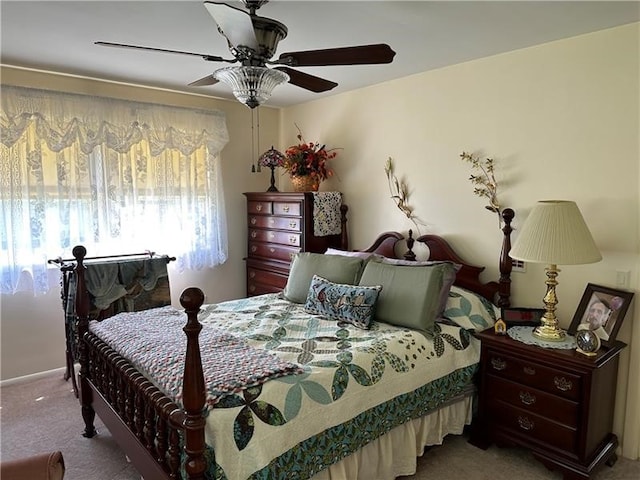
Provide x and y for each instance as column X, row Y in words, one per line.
column 157, row 435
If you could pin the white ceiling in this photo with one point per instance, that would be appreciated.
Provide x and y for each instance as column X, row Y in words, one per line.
column 58, row 36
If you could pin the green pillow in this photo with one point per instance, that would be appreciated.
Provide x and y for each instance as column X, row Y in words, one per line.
column 410, row 295
column 335, row 268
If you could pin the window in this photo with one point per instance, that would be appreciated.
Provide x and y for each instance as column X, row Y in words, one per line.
column 115, row 176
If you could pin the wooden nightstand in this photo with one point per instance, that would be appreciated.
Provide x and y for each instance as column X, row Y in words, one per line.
column 556, row 403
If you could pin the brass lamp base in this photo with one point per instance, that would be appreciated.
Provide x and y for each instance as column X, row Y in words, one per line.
column 549, row 329
column 549, row 333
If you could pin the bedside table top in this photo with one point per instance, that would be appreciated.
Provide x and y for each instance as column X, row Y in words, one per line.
column 504, row 342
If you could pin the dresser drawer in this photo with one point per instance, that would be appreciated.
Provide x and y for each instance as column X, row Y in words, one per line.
column 533, row 400
column 532, row 426
column 530, row 373
column 254, row 288
column 280, row 223
column 263, row 281
column 263, row 208
column 284, row 238
column 272, row 251
column 287, row 208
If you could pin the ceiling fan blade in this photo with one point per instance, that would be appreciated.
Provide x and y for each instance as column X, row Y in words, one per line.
column 359, row 55
column 208, row 80
column 306, row 81
column 234, row 24
column 209, row 58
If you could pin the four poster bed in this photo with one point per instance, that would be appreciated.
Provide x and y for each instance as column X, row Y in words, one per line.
column 317, row 396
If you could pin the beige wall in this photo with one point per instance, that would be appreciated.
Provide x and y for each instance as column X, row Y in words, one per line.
column 560, row 119
column 32, row 332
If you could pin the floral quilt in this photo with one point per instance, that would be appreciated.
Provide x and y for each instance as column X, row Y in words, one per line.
column 353, row 386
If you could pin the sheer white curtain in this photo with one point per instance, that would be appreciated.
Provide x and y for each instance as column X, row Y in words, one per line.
column 115, row 176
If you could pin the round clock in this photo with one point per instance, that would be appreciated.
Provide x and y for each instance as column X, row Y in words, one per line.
column 587, row 342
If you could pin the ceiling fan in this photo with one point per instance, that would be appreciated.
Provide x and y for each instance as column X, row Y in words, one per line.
column 253, row 41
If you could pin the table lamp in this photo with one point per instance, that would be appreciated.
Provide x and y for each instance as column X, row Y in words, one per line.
column 555, row 233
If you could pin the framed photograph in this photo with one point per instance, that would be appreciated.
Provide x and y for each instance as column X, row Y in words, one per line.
column 601, row 310
column 513, row 316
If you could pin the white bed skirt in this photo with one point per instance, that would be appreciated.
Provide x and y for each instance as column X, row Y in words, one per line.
column 395, row 453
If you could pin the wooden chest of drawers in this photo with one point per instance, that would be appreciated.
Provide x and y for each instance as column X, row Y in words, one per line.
column 280, row 225
column 557, row 403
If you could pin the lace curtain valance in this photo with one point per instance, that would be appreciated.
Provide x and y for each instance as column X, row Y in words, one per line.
column 62, row 119
column 113, row 175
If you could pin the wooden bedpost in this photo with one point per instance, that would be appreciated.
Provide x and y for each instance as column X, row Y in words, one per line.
column 504, row 291
column 193, row 389
column 82, row 319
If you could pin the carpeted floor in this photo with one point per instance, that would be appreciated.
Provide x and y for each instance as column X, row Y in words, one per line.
column 43, row 415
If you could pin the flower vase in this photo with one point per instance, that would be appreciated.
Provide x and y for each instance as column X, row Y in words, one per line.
column 305, row 183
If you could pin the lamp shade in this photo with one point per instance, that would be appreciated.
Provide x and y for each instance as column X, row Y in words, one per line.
column 251, row 85
column 555, row 233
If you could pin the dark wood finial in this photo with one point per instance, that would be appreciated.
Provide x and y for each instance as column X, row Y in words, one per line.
column 192, row 299
column 410, row 255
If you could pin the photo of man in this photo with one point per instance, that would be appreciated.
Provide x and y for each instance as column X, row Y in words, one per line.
column 596, row 317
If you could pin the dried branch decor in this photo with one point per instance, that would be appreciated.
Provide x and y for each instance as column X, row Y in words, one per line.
column 485, row 184
column 400, row 194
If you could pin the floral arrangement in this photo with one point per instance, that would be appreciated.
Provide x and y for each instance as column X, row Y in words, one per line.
column 308, row 159
column 485, row 182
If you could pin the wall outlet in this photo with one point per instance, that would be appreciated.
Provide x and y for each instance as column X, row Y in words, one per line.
column 518, row 266
column 623, row 278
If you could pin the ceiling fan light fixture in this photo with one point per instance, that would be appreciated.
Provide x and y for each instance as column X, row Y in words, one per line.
column 252, row 86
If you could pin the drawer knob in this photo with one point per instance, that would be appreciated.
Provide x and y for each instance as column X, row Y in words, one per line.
column 252, row 288
column 498, row 364
column 285, row 208
column 253, row 220
column 272, row 235
column 252, row 274
column 293, row 225
column 525, row 423
column 562, row 384
column 272, row 221
column 272, row 250
column 254, row 234
column 292, row 239
column 527, row 398
column 529, row 370
column 259, row 207
column 253, row 248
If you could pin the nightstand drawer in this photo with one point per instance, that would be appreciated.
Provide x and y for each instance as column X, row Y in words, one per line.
column 552, row 380
column 263, row 208
column 289, row 208
column 284, row 238
column 533, row 400
column 280, row 223
column 532, row 426
column 272, row 251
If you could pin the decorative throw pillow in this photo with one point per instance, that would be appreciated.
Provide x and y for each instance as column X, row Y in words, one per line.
column 349, row 303
column 335, row 268
column 411, row 296
column 470, row 310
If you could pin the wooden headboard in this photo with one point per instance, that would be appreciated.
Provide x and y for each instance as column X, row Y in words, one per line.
column 497, row 291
